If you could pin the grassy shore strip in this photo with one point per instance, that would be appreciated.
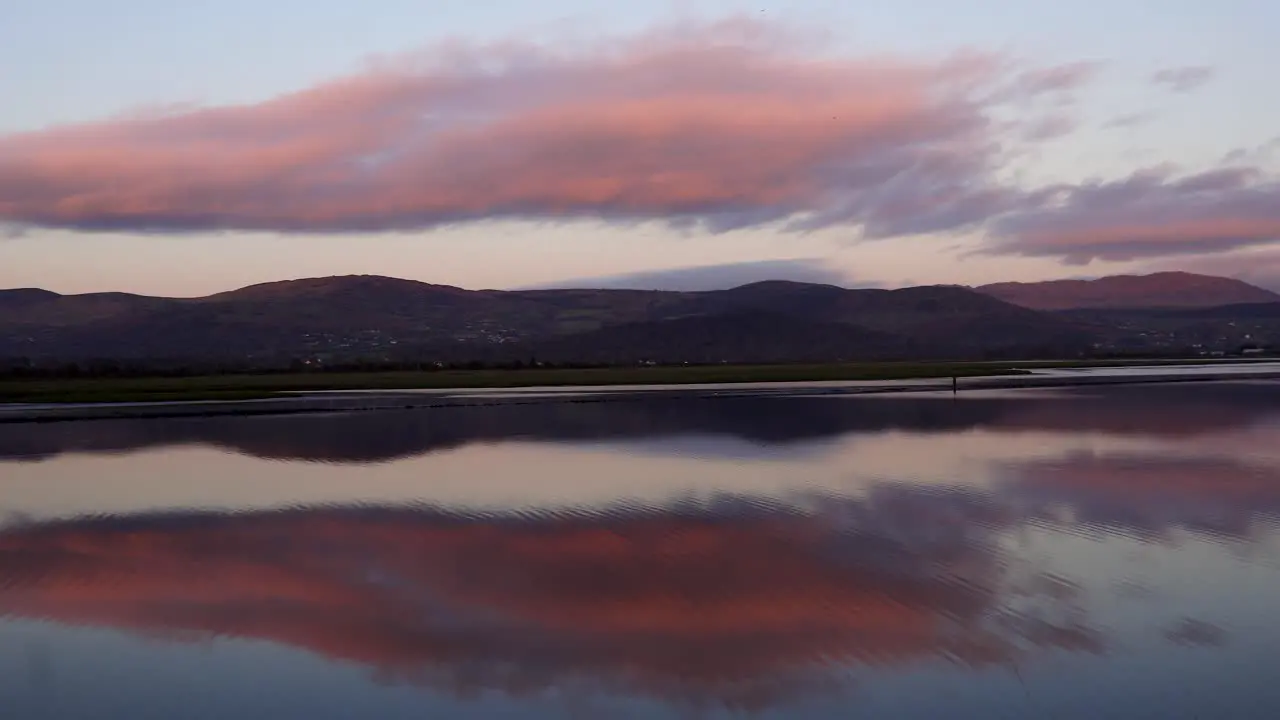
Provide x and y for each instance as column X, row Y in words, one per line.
column 253, row 387
column 289, row 403
column 249, row 387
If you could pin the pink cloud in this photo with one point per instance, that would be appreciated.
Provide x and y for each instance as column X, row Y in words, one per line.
column 1128, row 120
column 723, row 125
column 1150, row 213
column 1183, row 79
column 1050, row 127
column 1056, row 79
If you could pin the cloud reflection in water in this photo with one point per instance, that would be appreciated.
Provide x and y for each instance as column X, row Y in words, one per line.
column 734, row 603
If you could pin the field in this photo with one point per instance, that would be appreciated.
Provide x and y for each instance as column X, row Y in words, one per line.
column 245, row 387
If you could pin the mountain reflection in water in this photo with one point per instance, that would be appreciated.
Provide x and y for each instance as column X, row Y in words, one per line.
column 1166, row 411
column 1067, row 554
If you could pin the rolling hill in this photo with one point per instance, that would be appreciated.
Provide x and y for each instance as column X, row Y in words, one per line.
column 388, row 318
column 1158, row 290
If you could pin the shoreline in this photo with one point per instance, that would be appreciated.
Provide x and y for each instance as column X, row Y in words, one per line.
column 373, row 400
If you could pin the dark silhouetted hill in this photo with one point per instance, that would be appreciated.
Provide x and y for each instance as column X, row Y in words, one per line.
column 1158, row 290
column 369, row 317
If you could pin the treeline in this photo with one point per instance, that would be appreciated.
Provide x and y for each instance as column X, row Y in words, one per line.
column 24, row 368
column 1183, row 353
column 19, row 368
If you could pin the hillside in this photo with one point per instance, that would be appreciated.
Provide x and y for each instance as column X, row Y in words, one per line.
column 1159, row 290
column 1224, row 328
column 387, row 318
column 746, row 336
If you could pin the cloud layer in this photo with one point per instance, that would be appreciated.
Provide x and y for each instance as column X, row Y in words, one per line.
column 716, row 127
column 1150, row 213
column 1183, row 79
column 717, row 277
column 721, row 126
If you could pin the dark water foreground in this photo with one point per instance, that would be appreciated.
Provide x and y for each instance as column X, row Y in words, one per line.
column 1106, row 552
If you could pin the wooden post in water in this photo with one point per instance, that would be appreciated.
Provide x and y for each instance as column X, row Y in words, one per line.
column 955, row 385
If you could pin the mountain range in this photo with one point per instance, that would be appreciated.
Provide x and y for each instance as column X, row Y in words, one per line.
column 371, row 317
column 1158, row 290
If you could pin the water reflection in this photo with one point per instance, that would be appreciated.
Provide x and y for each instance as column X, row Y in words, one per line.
column 1154, row 494
column 1164, row 411
column 1073, row 554
column 734, row 605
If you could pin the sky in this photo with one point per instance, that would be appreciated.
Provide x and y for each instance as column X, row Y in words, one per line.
column 182, row 149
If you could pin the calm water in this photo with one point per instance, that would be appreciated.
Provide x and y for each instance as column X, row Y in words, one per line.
column 1090, row 553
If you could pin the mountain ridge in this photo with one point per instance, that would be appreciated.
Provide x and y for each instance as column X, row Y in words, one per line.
column 346, row 317
column 1149, row 282
column 376, row 316
column 1173, row 289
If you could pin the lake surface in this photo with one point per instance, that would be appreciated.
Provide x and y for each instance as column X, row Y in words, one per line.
column 1093, row 552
